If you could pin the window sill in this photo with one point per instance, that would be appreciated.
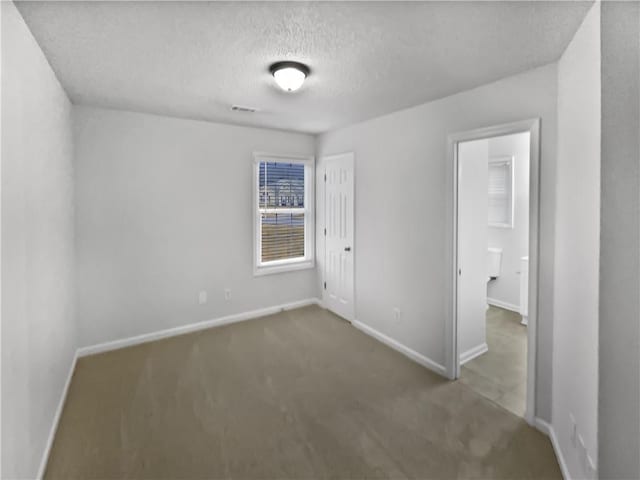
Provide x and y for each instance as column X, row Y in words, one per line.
column 283, row 268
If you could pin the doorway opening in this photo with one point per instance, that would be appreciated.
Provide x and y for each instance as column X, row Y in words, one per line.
column 495, row 259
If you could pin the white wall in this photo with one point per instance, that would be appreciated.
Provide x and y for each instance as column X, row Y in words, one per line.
column 513, row 241
column 38, row 326
column 619, row 353
column 575, row 372
column 403, row 181
column 164, row 210
column 473, row 201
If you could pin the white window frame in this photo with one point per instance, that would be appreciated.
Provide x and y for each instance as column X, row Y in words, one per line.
column 507, row 161
column 287, row 265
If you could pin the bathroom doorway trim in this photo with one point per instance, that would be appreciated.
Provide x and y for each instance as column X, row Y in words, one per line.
column 452, row 354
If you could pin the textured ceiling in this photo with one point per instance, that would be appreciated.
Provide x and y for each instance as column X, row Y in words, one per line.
column 195, row 60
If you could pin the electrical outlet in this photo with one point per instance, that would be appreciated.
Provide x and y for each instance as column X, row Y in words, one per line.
column 202, row 297
column 397, row 314
column 227, row 294
column 574, row 430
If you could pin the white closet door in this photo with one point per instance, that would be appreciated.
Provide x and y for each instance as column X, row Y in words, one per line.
column 339, row 233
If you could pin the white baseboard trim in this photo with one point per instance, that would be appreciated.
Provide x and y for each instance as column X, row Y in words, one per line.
column 56, row 418
column 192, row 327
column 412, row 354
column 149, row 337
column 301, row 303
column 473, row 353
column 548, row 430
column 505, row 305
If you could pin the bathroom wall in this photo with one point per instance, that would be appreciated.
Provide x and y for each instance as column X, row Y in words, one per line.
column 505, row 290
column 472, row 252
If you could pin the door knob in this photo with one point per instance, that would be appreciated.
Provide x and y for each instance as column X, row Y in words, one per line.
column 347, row 249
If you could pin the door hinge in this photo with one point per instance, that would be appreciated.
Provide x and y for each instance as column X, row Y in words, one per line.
column 325, row 232
column 325, row 285
column 325, row 177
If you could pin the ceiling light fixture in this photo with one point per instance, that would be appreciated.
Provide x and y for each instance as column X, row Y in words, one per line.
column 289, row 75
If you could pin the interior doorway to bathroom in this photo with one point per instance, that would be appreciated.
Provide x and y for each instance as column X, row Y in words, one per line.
column 495, row 260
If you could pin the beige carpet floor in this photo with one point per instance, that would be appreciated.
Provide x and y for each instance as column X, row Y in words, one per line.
column 297, row 395
column 501, row 373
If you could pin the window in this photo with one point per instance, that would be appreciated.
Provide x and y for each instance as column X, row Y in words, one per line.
column 501, row 192
column 283, row 213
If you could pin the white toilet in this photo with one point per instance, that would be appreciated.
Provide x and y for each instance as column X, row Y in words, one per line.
column 494, row 265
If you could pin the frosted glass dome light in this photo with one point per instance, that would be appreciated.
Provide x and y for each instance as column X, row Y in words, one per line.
column 289, row 79
column 289, row 75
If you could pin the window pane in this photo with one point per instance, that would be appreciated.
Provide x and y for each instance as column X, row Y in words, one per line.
column 498, row 179
column 282, row 236
column 500, row 192
column 281, row 185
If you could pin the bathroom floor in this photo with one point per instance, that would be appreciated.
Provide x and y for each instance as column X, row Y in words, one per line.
column 501, row 373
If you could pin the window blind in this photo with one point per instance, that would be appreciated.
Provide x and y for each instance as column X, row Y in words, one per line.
column 282, row 210
column 500, row 193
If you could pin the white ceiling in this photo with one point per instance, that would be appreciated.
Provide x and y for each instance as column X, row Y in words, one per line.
column 195, row 60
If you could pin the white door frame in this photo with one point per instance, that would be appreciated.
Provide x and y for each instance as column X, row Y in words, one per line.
column 453, row 357
column 323, row 161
